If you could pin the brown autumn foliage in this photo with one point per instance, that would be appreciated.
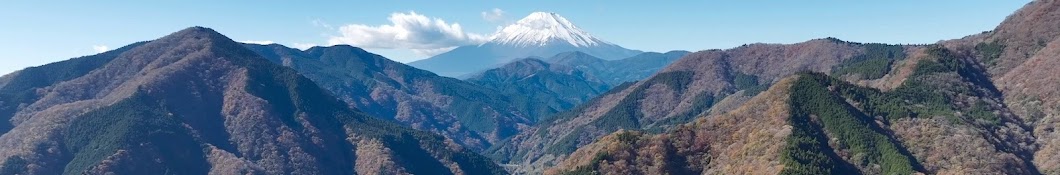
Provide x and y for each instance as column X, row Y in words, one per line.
column 712, row 74
column 1024, row 74
column 742, row 141
column 205, row 83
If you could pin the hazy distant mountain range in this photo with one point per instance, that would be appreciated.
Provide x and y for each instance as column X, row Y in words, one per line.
column 618, row 71
column 471, row 115
column 546, row 88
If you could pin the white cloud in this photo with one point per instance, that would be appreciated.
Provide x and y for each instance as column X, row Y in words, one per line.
column 100, row 48
column 262, row 42
column 407, row 31
column 433, row 51
column 495, row 15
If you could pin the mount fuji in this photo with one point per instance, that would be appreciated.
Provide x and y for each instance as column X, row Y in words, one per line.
column 541, row 34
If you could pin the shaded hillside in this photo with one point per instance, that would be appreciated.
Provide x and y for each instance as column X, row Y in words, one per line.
column 983, row 104
column 707, row 146
column 19, row 89
column 540, row 88
column 619, row 71
column 1020, row 56
column 679, row 93
column 196, row 102
column 832, row 127
column 1013, row 42
column 472, row 115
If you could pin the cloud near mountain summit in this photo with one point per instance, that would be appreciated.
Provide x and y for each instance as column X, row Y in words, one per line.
column 419, row 33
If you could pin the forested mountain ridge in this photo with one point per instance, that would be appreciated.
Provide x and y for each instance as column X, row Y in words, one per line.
column 690, row 148
column 472, row 115
column 544, row 88
column 1020, row 56
column 20, row 88
column 983, row 104
column 705, row 82
column 196, row 102
column 834, row 127
column 616, row 72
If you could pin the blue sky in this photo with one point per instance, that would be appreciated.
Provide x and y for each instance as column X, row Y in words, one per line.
column 36, row 32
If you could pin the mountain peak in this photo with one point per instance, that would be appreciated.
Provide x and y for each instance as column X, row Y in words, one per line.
column 540, row 34
column 543, row 28
column 197, row 36
column 196, row 31
column 545, row 16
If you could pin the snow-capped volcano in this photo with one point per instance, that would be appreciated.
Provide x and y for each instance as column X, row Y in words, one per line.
column 540, row 34
column 542, row 28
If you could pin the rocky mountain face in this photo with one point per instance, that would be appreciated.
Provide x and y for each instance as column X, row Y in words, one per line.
column 616, row 72
column 541, row 34
column 472, row 115
column 196, row 102
column 542, row 89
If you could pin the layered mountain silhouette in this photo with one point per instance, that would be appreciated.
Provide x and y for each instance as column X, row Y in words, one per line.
column 543, row 89
column 546, row 98
column 616, row 72
column 473, row 116
column 700, row 83
column 541, row 34
column 196, row 102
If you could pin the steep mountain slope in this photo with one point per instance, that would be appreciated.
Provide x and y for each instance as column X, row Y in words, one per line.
column 20, row 88
column 543, row 89
column 942, row 120
column 472, row 115
column 7, row 78
column 713, row 145
column 983, row 104
column 616, row 72
column 196, row 102
column 1017, row 38
column 679, row 93
column 541, row 34
column 1033, row 88
column 1021, row 55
